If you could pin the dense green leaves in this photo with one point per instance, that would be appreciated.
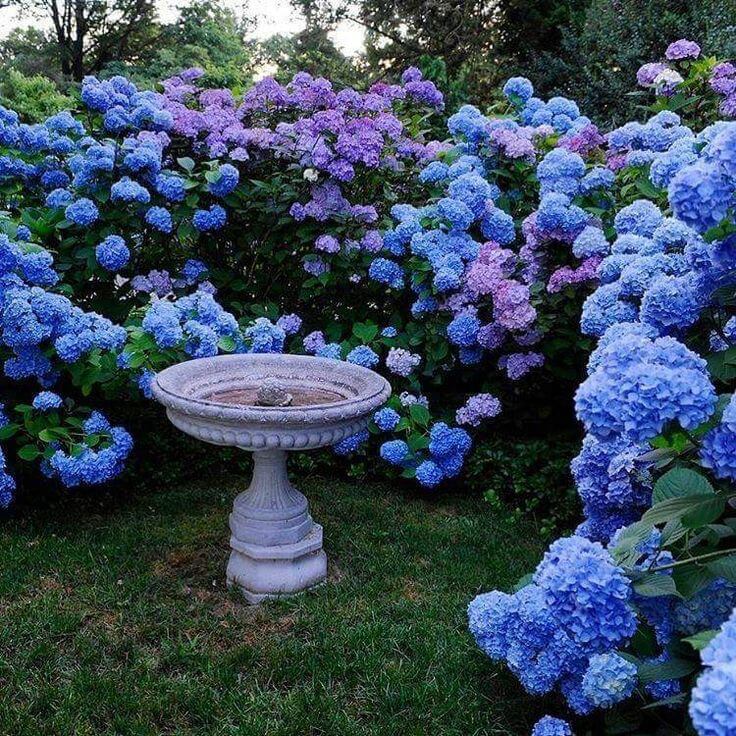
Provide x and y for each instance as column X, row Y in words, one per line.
column 680, row 482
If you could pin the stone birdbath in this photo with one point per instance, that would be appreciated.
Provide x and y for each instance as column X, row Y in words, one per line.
column 269, row 405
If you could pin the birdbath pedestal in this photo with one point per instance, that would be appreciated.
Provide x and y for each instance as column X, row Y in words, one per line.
column 271, row 405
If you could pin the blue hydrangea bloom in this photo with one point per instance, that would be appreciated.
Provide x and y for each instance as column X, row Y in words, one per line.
column 386, row 272
column 394, row 451
column 112, row 253
column 160, row 219
column 718, row 452
column 386, row 419
column 498, row 226
column 428, row 474
column 362, row 355
column 47, row 401
column 549, row 726
column 700, row 195
column 641, row 217
column 351, row 443
column 518, row 89
column 713, row 700
column 463, row 330
column 609, row 679
column 128, row 190
column 227, row 180
column 457, row 213
column 211, row 219
column 82, row 212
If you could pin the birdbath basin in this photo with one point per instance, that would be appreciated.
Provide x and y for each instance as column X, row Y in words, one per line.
column 269, row 405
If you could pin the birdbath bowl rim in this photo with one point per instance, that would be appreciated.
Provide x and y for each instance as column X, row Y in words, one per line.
column 195, row 396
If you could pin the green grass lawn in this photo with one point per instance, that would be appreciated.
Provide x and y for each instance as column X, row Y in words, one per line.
column 114, row 619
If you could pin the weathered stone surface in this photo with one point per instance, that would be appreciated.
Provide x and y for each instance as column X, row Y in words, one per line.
column 276, row 547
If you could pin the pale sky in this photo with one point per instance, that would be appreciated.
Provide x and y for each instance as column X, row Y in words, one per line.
column 274, row 16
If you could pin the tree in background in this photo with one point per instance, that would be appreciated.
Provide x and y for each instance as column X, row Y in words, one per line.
column 478, row 40
column 601, row 50
column 125, row 37
column 205, row 34
column 31, row 52
column 311, row 50
column 88, row 34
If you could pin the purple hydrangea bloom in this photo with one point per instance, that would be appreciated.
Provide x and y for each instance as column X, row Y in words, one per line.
column 682, row 49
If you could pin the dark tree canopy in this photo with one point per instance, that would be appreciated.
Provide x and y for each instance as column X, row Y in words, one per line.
column 88, row 34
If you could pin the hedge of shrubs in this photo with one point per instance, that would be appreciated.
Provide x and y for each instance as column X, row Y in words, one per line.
column 152, row 227
column 632, row 619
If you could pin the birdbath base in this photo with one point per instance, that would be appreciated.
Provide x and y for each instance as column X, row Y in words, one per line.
column 276, row 546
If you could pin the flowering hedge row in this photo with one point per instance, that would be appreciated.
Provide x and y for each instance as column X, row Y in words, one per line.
column 635, row 608
column 165, row 215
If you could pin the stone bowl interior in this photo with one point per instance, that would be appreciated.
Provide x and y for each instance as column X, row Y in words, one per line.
column 223, row 390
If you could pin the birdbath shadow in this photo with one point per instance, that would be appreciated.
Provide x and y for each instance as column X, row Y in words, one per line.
column 269, row 405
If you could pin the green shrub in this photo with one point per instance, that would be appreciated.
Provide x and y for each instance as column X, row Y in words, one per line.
column 33, row 98
column 528, row 477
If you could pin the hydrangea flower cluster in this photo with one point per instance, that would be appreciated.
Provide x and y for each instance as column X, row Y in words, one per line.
column 91, row 465
column 549, row 726
column 39, row 326
column 659, row 275
column 446, row 450
column 474, row 258
column 667, row 78
column 332, row 136
column 562, row 629
column 713, row 702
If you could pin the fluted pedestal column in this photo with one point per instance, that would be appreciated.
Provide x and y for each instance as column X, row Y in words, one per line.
column 276, row 547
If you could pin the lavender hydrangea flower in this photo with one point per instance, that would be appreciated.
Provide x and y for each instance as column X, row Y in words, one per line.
column 682, row 49
column 477, row 408
column 401, row 362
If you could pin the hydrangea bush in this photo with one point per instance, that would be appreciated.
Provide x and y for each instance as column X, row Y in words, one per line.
column 188, row 222
column 626, row 611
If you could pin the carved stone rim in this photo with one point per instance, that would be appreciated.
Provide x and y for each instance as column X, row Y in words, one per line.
column 182, row 387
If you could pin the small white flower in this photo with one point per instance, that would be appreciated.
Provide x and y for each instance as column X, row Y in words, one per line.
column 311, row 175
column 668, row 78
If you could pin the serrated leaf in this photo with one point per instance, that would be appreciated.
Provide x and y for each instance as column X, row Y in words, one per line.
column 690, row 579
column 666, row 702
column 704, row 512
column 701, row 639
column 625, row 552
column 724, row 567
column 672, row 669
column 677, row 508
column 654, row 585
column 680, row 482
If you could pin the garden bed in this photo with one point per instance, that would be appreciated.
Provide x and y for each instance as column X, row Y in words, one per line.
column 115, row 619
